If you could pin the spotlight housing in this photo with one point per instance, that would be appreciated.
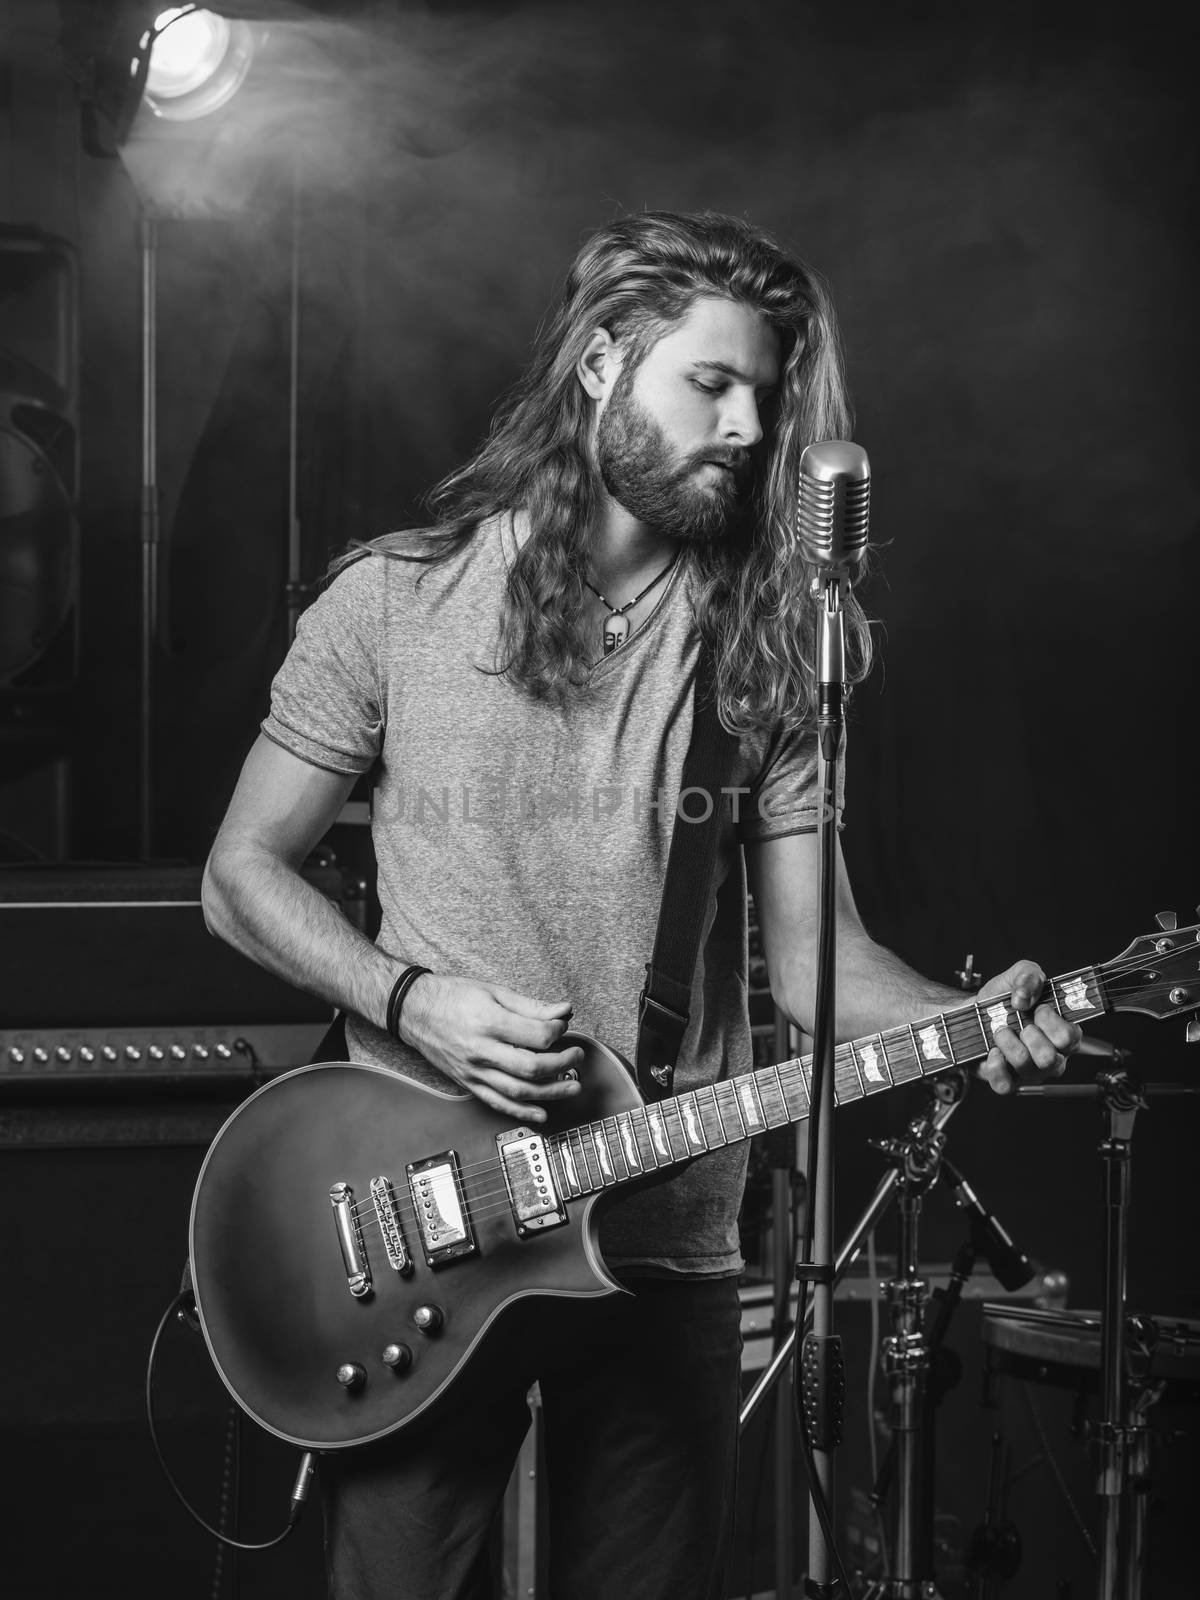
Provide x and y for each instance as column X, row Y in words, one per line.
column 198, row 61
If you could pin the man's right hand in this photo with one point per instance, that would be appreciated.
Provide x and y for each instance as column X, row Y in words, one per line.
column 497, row 1043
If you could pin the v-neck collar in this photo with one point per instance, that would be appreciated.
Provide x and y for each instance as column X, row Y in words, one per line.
column 510, row 544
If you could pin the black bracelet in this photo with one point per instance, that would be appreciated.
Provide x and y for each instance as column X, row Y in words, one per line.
column 396, row 999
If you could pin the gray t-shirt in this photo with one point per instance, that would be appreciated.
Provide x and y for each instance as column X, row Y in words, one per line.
column 525, row 844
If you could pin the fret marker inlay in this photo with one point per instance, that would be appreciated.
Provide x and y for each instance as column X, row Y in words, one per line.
column 998, row 1017
column 870, row 1060
column 658, row 1135
column 691, row 1127
column 1076, row 996
column 931, row 1044
column 749, row 1109
column 631, row 1154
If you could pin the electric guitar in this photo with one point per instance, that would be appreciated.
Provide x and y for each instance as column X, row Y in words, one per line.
column 357, row 1239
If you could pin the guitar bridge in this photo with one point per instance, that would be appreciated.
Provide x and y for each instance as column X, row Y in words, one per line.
column 441, row 1208
column 354, row 1257
column 531, row 1192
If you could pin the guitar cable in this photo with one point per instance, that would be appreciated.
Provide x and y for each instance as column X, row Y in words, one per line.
column 183, row 1306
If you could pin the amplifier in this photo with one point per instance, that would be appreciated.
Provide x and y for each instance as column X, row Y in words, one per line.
column 112, row 979
column 183, row 1056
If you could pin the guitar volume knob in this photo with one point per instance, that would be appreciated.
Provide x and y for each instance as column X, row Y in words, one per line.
column 351, row 1376
column 397, row 1356
column 429, row 1319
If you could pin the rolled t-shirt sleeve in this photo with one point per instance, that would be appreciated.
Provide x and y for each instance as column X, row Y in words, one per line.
column 783, row 797
column 327, row 697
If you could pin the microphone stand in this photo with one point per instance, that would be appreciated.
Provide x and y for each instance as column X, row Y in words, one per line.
column 819, row 1379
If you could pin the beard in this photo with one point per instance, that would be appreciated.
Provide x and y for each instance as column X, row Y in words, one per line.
column 661, row 489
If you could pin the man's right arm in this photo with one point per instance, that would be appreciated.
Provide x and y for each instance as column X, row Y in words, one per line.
column 495, row 1042
column 256, row 898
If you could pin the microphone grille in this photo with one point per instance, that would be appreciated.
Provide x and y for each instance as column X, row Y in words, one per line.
column 833, row 503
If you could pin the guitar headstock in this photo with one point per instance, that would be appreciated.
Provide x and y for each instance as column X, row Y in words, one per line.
column 1158, row 975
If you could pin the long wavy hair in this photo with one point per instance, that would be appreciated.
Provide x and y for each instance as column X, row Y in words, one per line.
column 638, row 277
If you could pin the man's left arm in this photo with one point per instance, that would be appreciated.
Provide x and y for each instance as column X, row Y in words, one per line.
column 875, row 989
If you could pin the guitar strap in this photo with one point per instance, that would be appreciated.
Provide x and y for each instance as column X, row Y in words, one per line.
column 665, row 1001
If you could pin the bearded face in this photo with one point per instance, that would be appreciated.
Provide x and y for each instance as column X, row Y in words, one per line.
column 698, row 495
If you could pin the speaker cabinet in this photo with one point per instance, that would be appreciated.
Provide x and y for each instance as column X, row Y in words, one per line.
column 39, row 534
column 96, row 1202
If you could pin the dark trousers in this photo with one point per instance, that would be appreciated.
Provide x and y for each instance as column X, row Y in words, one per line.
column 639, row 1401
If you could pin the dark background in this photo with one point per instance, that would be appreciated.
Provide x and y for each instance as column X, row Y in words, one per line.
column 1003, row 200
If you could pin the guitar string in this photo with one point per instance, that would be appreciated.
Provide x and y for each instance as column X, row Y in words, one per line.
column 489, row 1202
column 793, row 1073
column 790, row 1073
column 481, row 1203
column 960, row 1017
column 794, row 1069
column 366, row 1210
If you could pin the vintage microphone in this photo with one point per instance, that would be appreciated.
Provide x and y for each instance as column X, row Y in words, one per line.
column 832, row 513
column 833, row 503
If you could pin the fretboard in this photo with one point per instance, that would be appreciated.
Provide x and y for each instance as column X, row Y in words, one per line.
column 617, row 1149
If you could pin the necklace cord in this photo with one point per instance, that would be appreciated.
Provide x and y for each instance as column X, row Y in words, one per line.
column 619, row 611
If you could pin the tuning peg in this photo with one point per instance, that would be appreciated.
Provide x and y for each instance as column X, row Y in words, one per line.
column 1193, row 1031
column 1167, row 921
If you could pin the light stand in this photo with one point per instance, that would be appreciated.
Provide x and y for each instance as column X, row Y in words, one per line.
column 151, row 532
column 298, row 593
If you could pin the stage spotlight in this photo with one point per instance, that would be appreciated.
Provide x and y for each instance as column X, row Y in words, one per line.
column 198, row 61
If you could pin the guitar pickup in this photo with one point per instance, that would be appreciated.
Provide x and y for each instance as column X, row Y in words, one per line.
column 531, row 1192
column 441, row 1208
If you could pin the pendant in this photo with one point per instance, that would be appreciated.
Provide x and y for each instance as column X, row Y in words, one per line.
column 616, row 631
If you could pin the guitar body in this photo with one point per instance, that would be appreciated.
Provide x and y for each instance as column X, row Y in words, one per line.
column 272, row 1281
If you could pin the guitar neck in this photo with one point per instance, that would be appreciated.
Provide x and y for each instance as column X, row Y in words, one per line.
column 596, row 1156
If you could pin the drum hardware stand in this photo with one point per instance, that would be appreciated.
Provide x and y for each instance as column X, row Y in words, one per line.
column 920, row 1369
column 916, row 1162
column 1013, row 1268
column 995, row 1548
column 948, row 1091
column 1127, row 1393
column 1121, row 1436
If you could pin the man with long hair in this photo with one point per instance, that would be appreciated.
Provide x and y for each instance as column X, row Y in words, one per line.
column 518, row 678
